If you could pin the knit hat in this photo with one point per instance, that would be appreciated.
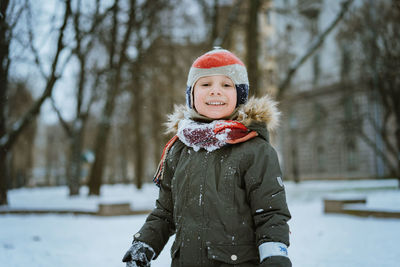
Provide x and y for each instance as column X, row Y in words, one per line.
column 219, row 62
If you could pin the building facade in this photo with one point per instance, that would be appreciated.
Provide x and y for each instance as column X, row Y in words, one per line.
column 327, row 129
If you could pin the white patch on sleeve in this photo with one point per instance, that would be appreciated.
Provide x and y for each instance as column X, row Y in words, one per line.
column 269, row 249
column 279, row 179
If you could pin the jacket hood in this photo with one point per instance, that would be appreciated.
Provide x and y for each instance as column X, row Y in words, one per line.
column 257, row 111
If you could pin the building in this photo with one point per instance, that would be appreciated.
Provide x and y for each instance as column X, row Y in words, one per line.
column 324, row 112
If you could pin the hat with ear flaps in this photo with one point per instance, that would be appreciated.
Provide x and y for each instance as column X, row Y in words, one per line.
column 219, row 62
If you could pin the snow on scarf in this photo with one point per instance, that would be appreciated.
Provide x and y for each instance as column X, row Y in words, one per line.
column 209, row 136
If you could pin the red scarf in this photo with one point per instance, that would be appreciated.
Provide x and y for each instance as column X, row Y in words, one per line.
column 209, row 136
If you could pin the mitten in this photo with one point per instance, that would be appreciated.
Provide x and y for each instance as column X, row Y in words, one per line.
column 139, row 255
column 276, row 261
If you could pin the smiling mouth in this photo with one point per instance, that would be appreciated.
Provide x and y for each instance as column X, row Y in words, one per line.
column 215, row 103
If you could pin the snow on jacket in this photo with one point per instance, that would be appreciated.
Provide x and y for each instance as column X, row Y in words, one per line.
column 223, row 204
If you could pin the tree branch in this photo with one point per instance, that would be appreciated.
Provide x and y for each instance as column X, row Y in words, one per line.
column 382, row 131
column 373, row 145
column 93, row 96
column 32, row 46
column 64, row 124
column 221, row 39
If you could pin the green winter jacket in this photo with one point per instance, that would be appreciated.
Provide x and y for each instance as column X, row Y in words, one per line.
column 223, row 204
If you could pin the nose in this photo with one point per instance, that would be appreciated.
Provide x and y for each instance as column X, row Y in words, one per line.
column 215, row 90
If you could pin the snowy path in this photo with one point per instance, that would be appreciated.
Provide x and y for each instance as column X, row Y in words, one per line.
column 316, row 240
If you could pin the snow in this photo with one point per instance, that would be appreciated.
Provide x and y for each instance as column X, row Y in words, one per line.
column 317, row 239
column 57, row 197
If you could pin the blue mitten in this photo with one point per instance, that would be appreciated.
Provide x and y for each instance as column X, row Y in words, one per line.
column 139, row 255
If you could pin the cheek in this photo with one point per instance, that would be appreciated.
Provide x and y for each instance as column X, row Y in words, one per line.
column 232, row 98
column 198, row 98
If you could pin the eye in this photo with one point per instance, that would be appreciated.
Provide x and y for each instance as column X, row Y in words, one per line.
column 228, row 85
column 205, row 84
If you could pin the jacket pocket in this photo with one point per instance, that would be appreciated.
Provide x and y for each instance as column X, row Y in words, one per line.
column 232, row 254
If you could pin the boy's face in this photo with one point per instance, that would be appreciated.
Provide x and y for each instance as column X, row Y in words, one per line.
column 215, row 96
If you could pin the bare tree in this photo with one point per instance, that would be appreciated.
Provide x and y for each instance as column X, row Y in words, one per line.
column 9, row 137
column 151, row 23
column 85, row 37
column 117, row 58
column 5, row 36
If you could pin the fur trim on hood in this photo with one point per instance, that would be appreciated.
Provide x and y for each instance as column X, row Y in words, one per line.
column 255, row 110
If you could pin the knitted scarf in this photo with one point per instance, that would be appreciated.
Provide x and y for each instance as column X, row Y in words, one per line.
column 208, row 136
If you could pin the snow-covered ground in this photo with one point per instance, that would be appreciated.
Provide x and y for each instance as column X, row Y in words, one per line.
column 317, row 239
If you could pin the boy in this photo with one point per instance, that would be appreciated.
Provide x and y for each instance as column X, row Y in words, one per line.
column 220, row 182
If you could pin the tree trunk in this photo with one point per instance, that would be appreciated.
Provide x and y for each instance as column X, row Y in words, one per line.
column 396, row 96
column 50, row 159
column 97, row 170
column 295, row 166
column 253, row 46
column 398, row 149
column 156, row 122
column 4, row 63
column 75, row 162
column 136, row 108
column 78, row 132
column 3, row 179
column 8, row 139
column 123, row 162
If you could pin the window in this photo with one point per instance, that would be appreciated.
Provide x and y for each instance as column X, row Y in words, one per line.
column 351, row 155
column 319, row 114
column 348, row 108
column 321, row 158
